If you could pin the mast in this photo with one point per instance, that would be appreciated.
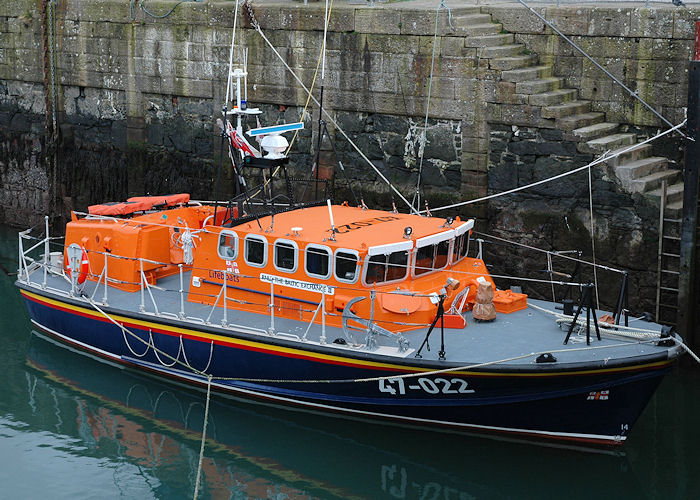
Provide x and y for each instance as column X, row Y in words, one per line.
column 321, row 124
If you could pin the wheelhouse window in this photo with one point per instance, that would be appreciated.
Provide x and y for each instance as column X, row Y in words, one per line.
column 461, row 245
column 432, row 254
column 286, row 255
column 228, row 245
column 255, row 252
column 387, row 267
column 346, row 266
column 318, row 261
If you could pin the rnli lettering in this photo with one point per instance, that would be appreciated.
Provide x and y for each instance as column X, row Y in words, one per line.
column 345, row 228
column 219, row 275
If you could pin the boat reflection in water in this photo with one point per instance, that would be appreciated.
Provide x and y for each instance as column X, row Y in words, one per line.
column 258, row 452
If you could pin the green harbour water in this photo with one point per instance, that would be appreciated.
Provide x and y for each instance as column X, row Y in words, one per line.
column 73, row 427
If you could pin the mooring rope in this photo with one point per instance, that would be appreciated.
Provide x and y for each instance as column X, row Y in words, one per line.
column 204, row 438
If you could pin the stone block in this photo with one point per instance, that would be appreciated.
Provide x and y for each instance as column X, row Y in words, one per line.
column 684, row 23
column 170, row 50
column 569, row 66
column 105, row 10
column 311, row 40
column 418, row 22
column 17, row 8
column 570, row 20
column 614, row 65
column 457, row 67
column 301, row 17
column 386, row 22
column 667, row 50
column 466, row 89
column 452, row 46
column 392, row 44
column 596, row 89
column 475, row 145
column 191, row 87
column 515, row 19
column 502, row 92
column 652, row 23
column 609, row 22
column 475, row 162
column 425, row 45
column 194, row 51
column 109, row 29
column 403, row 64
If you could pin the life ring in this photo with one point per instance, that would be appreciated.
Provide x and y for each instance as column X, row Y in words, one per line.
column 84, row 267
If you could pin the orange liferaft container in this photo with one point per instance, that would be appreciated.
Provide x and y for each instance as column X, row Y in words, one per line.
column 507, row 301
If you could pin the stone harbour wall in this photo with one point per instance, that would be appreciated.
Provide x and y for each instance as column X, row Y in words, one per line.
column 137, row 98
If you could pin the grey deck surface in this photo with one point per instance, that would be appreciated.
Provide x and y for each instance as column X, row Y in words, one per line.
column 510, row 335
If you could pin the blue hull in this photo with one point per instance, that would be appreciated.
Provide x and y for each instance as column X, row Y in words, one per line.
column 597, row 404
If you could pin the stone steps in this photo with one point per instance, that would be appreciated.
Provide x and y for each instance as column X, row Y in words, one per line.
column 608, row 142
column 594, row 131
column 569, row 123
column 512, row 62
column 566, row 109
column 501, row 39
column 470, row 19
column 510, row 50
column 674, row 195
column 674, row 210
column 643, row 151
column 538, row 86
column 527, row 74
column 551, row 97
column 636, row 169
column 481, row 29
column 652, row 181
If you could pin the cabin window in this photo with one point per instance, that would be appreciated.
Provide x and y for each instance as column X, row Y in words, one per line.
column 255, row 252
column 432, row 257
column 318, row 260
column 228, row 245
column 286, row 255
column 385, row 268
column 346, row 266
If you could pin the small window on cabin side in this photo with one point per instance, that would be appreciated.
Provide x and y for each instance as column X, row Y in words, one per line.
column 318, row 262
column 285, row 256
column 346, row 266
column 228, row 245
column 255, row 251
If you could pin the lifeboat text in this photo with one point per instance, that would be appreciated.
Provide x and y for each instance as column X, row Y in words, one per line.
column 363, row 223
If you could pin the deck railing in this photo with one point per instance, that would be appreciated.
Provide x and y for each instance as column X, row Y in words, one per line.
column 28, row 265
